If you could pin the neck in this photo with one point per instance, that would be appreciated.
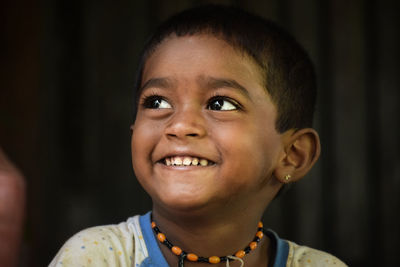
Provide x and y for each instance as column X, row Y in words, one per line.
column 218, row 235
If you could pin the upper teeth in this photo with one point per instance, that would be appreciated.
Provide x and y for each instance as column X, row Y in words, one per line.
column 185, row 161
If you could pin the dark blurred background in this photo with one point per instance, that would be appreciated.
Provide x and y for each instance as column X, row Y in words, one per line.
column 65, row 109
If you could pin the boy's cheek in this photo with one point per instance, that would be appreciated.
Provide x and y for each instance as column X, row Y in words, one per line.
column 140, row 143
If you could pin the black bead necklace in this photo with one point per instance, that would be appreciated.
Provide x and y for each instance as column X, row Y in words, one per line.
column 213, row 259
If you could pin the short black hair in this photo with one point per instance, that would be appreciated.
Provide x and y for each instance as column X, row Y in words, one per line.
column 288, row 73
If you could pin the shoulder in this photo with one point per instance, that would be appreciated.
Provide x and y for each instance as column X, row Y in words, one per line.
column 302, row 256
column 110, row 245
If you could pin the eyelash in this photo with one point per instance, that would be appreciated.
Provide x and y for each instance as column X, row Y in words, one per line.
column 148, row 101
column 224, row 98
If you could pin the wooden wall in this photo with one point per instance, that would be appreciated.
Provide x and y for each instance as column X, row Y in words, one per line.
column 65, row 110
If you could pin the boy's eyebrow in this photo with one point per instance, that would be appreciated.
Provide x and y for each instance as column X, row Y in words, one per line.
column 156, row 82
column 215, row 83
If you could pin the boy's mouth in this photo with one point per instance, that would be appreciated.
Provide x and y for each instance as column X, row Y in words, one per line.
column 186, row 161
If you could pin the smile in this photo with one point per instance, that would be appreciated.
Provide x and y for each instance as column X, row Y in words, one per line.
column 186, row 161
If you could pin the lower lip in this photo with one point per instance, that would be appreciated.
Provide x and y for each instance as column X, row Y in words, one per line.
column 184, row 174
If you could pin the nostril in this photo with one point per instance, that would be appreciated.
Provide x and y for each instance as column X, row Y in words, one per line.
column 186, row 135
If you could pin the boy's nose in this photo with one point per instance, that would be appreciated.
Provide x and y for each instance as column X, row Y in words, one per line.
column 186, row 123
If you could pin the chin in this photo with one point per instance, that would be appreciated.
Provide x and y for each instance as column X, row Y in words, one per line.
column 183, row 202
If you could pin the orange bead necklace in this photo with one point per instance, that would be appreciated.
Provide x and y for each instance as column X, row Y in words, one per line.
column 213, row 259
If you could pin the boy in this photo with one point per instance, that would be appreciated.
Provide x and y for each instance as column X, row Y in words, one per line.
column 225, row 102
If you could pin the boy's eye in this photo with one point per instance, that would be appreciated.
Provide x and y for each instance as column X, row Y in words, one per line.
column 222, row 103
column 156, row 102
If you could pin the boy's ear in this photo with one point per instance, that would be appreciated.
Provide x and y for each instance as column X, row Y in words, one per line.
column 301, row 150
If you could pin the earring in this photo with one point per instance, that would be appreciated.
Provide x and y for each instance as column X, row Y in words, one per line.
column 287, row 177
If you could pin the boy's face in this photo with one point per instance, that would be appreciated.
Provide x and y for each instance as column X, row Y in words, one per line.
column 202, row 100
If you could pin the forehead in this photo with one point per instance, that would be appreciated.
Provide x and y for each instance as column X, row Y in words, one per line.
column 190, row 57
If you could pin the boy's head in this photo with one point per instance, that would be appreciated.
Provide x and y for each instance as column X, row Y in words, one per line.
column 223, row 113
column 287, row 71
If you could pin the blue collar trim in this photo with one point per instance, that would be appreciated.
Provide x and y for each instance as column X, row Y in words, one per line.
column 155, row 258
column 281, row 251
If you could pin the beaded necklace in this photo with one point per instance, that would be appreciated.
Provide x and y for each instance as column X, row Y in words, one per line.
column 213, row 259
